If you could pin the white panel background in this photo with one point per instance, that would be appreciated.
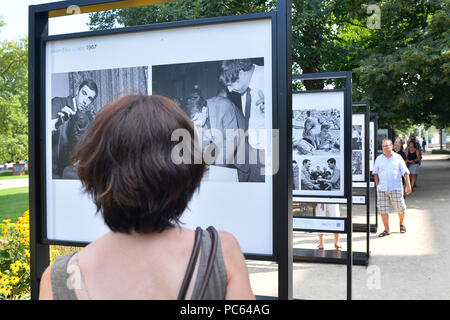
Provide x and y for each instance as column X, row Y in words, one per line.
column 244, row 209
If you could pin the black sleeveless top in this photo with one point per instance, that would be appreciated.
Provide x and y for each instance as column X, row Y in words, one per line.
column 412, row 156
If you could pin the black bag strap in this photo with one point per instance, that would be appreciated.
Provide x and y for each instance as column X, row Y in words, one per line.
column 211, row 259
column 191, row 264
column 193, row 260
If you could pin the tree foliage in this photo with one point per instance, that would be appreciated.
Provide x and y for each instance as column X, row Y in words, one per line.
column 13, row 100
column 403, row 70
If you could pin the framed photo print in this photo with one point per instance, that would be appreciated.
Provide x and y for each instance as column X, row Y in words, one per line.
column 317, row 143
column 358, row 146
column 222, row 87
column 371, row 145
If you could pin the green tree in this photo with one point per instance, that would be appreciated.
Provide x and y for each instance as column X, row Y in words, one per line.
column 13, row 100
column 175, row 11
column 402, row 69
column 313, row 37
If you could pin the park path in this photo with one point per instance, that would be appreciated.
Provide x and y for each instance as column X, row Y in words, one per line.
column 414, row 265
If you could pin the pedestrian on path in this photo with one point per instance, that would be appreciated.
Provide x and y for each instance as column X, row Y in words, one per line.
column 328, row 210
column 398, row 148
column 388, row 169
column 413, row 159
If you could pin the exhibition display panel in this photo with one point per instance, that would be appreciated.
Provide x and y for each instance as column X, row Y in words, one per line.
column 360, row 167
column 321, row 168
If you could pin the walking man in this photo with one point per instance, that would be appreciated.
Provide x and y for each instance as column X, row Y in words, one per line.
column 388, row 171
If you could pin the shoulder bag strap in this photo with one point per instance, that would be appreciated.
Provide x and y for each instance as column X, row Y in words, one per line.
column 211, row 259
column 191, row 264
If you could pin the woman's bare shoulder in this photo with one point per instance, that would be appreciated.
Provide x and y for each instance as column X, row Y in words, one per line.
column 238, row 281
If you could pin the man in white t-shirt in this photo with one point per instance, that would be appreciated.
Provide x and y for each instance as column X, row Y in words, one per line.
column 388, row 170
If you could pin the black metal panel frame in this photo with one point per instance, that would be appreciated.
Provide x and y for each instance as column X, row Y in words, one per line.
column 375, row 155
column 366, row 114
column 320, row 230
column 347, row 75
column 284, row 177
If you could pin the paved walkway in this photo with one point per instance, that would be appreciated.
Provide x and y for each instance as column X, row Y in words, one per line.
column 414, row 265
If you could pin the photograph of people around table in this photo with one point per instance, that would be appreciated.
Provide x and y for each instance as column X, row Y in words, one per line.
column 316, row 132
column 222, row 97
column 76, row 98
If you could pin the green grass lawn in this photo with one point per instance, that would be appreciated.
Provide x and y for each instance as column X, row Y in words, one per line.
column 13, row 202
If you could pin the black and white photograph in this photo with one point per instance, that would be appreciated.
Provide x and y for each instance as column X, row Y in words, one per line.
column 222, row 96
column 357, row 162
column 371, row 145
column 76, row 99
column 381, row 135
column 358, row 146
column 317, row 137
column 316, row 132
column 320, row 174
column 357, row 141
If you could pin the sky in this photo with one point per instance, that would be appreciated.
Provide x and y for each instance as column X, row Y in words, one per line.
column 15, row 15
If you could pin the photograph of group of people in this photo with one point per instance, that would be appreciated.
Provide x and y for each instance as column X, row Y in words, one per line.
column 317, row 125
column 218, row 96
column 371, row 145
column 316, row 132
column 316, row 174
column 357, row 154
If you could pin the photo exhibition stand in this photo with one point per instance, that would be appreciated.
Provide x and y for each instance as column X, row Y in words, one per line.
column 45, row 53
column 358, row 185
column 374, row 124
column 373, row 128
column 332, row 256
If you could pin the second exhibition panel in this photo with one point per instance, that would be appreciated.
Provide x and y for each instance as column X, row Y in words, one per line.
column 318, row 160
column 317, row 143
column 190, row 63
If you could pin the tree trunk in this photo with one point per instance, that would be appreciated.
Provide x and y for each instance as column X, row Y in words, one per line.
column 441, row 137
column 312, row 84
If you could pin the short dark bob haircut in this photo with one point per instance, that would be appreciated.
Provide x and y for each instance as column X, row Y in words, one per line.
column 124, row 163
